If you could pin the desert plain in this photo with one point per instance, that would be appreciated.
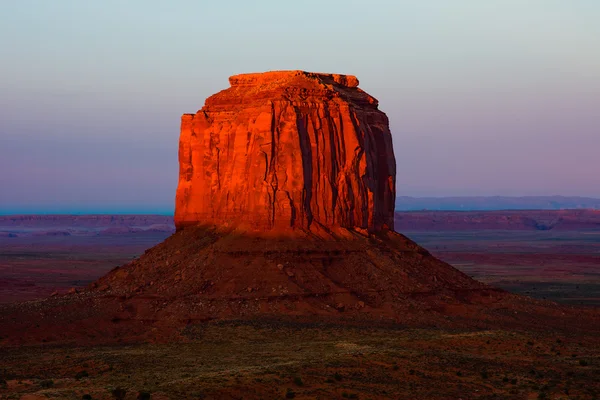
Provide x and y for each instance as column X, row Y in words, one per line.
column 296, row 358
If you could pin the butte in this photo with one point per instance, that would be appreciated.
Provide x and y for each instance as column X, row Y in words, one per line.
column 285, row 206
column 284, row 210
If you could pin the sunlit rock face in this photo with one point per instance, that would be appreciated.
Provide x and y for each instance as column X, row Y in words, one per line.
column 287, row 150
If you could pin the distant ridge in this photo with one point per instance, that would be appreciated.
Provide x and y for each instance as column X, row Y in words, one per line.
column 489, row 203
column 499, row 220
column 12, row 226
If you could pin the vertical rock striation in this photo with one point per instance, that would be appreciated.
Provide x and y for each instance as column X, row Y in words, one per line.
column 287, row 150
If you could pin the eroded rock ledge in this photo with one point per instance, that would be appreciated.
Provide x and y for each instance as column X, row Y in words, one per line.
column 274, row 76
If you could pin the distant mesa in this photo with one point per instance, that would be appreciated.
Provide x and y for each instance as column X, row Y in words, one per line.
column 491, row 203
column 83, row 225
column 517, row 220
column 287, row 150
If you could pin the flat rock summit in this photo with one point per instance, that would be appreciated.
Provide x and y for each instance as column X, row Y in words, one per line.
column 284, row 209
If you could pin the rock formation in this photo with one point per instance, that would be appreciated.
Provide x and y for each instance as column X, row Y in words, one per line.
column 285, row 205
column 284, row 210
column 287, row 149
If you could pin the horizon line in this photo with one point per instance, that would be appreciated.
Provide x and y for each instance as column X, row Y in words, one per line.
column 169, row 211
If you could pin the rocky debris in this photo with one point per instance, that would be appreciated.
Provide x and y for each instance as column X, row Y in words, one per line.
column 287, row 149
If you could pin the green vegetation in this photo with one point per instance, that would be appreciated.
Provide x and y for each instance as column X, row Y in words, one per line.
column 143, row 395
column 81, row 375
column 119, row 393
column 46, row 383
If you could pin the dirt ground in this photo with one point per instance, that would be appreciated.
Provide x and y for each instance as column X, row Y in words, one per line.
column 267, row 360
column 263, row 359
column 33, row 267
column 561, row 266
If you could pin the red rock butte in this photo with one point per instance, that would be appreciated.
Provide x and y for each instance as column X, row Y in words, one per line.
column 286, row 197
column 287, row 150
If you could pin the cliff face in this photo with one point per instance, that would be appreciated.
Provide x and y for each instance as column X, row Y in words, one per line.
column 287, row 149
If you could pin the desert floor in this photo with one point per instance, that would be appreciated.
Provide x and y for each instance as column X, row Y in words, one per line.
column 287, row 359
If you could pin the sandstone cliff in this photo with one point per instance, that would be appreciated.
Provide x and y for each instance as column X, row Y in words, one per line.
column 287, row 149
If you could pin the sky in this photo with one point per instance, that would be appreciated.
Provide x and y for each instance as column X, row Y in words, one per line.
column 496, row 97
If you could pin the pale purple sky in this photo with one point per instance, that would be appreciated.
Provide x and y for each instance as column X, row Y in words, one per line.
column 498, row 97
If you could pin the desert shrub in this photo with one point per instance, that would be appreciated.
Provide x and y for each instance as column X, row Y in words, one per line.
column 337, row 376
column 81, row 374
column 47, row 383
column 353, row 396
column 412, row 372
column 458, row 373
column 298, row 381
column 505, row 379
column 395, row 368
column 583, row 363
column 143, row 395
column 484, row 374
column 329, row 380
column 86, row 397
column 513, row 381
column 119, row 393
column 3, row 384
column 290, row 394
